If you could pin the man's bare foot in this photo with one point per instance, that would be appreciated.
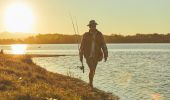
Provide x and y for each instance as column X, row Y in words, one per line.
column 91, row 87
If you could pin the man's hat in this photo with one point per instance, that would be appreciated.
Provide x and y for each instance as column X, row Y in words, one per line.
column 92, row 22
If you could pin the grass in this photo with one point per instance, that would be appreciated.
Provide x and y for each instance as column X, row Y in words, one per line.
column 21, row 79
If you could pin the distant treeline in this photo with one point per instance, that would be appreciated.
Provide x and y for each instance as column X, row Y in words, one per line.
column 68, row 39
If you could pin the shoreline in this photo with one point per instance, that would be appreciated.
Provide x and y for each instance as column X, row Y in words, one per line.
column 20, row 78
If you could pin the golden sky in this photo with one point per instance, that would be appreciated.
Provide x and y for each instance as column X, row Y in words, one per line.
column 113, row 16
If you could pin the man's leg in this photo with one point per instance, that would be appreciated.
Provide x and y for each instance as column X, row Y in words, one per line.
column 92, row 66
column 91, row 75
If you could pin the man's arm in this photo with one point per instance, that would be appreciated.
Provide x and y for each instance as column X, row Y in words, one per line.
column 81, row 49
column 104, row 47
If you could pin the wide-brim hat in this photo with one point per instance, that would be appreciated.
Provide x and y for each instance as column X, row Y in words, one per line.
column 92, row 22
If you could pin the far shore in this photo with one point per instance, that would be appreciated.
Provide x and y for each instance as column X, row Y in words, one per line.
column 21, row 79
column 38, row 55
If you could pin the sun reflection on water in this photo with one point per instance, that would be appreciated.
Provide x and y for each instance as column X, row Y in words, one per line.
column 18, row 48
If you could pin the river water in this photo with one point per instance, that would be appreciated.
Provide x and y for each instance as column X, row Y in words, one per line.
column 133, row 71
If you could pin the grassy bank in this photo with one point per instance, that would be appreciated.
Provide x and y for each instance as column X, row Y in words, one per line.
column 21, row 79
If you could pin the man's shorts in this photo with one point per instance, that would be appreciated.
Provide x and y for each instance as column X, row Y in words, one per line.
column 92, row 62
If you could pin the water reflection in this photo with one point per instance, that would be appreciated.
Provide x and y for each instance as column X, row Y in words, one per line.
column 18, row 48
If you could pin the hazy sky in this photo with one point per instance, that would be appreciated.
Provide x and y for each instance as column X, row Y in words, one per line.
column 113, row 16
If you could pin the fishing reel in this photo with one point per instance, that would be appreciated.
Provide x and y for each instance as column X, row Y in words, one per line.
column 81, row 68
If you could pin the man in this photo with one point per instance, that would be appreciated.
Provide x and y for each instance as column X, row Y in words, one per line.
column 93, row 47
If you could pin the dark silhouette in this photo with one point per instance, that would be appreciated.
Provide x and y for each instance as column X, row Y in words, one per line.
column 2, row 51
column 93, row 47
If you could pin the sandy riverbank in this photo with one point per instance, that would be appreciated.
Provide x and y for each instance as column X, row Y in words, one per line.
column 21, row 79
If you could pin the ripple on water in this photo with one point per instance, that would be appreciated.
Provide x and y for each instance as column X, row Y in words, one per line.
column 132, row 75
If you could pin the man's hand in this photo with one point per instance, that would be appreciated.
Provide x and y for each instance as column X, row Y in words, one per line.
column 105, row 59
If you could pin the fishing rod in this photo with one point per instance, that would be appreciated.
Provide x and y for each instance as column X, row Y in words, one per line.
column 73, row 24
column 76, row 31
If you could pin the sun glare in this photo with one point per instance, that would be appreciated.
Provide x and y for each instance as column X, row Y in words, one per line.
column 19, row 48
column 19, row 18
